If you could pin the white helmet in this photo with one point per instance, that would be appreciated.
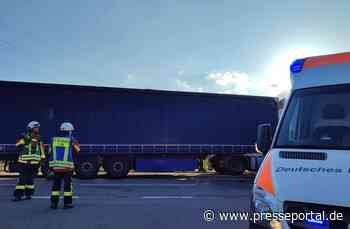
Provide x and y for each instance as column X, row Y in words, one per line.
column 33, row 124
column 67, row 126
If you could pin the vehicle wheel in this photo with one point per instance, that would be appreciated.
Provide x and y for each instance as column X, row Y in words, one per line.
column 87, row 167
column 253, row 225
column 234, row 165
column 219, row 170
column 217, row 164
column 116, row 167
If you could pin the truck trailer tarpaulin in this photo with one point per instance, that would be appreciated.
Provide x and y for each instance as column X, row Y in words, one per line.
column 119, row 126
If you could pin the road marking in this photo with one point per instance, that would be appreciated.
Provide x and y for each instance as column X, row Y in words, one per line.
column 48, row 197
column 137, row 185
column 166, row 197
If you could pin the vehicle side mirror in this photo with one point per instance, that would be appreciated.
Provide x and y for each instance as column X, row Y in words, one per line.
column 264, row 140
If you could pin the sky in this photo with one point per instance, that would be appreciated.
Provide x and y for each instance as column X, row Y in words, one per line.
column 219, row 46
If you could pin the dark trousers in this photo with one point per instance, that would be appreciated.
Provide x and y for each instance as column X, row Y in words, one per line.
column 25, row 184
column 66, row 177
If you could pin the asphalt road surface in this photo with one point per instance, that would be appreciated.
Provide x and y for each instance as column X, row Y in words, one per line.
column 139, row 201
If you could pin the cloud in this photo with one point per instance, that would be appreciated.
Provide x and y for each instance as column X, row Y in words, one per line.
column 186, row 86
column 231, row 82
column 183, row 84
column 271, row 86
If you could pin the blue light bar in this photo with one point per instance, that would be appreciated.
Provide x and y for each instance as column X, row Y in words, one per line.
column 315, row 221
column 297, row 66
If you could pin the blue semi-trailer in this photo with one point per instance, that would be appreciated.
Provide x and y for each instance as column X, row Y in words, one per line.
column 134, row 129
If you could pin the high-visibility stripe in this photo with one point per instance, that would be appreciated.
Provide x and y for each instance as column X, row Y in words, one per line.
column 20, row 142
column 68, row 194
column 264, row 179
column 20, row 187
column 29, row 186
column 30, row 148
column 61, row 164
column 55, row 193
column 42, row 149
column 32, row 157
column 316, row 61
column 59, row 169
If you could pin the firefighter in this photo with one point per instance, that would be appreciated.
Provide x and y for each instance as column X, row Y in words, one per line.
column 64, row 149
column 31, row 152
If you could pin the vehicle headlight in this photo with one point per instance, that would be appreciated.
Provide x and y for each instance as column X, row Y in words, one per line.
column 262, row 207
column 265, row 201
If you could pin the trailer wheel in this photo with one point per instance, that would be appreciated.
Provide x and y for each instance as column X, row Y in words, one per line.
column 218, row 164
column 218, row 169
column 234, row 165
column 87, row 167
column 116, row 167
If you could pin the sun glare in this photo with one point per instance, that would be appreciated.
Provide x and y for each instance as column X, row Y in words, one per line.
column 278, row 72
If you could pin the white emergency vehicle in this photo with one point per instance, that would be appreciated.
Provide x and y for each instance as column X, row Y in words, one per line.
column 306, row 169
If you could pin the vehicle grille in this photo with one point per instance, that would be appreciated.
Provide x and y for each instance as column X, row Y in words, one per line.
column 319, row 156
column 297, row 207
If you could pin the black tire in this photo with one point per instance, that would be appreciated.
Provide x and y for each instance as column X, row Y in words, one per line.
column 116, row 167
column 234, row 165
column 219, row 170
column 253, row 225
column 87, row 167
column 215, row 162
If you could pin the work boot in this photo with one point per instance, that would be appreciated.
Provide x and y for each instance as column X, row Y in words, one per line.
column 16, row 199
column 68, row 206
column 53, row 205
column 28, row 198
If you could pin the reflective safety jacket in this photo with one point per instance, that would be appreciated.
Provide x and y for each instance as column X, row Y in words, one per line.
column 31, row 149
column 61, row 155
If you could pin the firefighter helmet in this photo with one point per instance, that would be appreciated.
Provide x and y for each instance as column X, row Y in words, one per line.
column 33, row 124
column 67, row 126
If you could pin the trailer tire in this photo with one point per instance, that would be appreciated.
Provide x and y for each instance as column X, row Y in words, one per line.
column 217, row 164
column 87, row 167
column 219, row 169
column 234, row 165
column 116, row 167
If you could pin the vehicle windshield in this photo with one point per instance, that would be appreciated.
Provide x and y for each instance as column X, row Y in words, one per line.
column 317, row 118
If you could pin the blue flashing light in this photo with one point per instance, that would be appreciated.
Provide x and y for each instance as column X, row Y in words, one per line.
column 315, row 221
column 297, row 66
